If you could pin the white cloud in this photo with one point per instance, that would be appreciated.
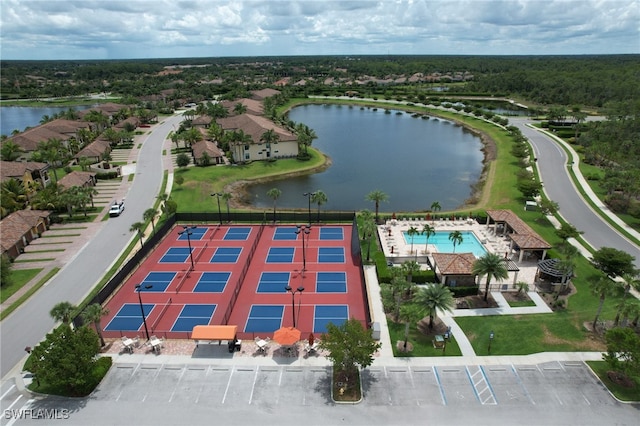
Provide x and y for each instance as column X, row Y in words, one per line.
column 37, row 29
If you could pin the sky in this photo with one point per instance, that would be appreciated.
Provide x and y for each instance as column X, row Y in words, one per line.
column 138, row 29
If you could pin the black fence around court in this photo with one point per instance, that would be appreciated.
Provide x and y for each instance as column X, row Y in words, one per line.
column 234, row 218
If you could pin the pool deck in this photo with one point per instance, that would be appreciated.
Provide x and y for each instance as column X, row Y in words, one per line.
column 396, row 249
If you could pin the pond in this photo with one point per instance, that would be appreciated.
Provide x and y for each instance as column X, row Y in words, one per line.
column 19, row 118
column 414, row 160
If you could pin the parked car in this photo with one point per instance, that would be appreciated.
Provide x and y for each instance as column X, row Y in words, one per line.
column 116, row 209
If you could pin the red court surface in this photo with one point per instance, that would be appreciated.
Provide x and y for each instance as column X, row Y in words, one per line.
column 250, row 255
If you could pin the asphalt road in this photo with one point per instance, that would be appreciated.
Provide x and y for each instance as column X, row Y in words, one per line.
column 554, row 173
column 28, row 325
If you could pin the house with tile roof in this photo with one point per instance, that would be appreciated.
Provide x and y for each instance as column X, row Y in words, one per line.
column 20, row 228
column 454, row 269
column 253, row 106
column 27, row 173
column 29, row 140
column 94, row 151
column 78, row 178
column 262, row 94
column 255, row 126
column 215, row 154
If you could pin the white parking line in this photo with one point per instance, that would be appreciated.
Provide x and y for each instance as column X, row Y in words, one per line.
column 9, row 390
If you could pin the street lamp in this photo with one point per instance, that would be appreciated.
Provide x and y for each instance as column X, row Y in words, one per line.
column 218, row 194
column 144, row 317
column 491, row 335
column 309, row 195
column 293, row 292
column 187, row 230
column 304, row 230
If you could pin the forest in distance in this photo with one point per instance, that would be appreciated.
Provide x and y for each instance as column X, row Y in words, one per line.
column 587, row 80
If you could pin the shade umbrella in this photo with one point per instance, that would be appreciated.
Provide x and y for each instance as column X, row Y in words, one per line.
column 311, row 339
column 286, row 336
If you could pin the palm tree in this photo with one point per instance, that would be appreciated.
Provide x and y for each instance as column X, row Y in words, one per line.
column 150, row 215
column 10, row 151
column 377, row 196
column 629, row 282
column 433, row 298
column 409, row 268
column 94, row 313
column 491, row 265
column 410, row 313
column 239, row 108
column 456, row 238
column 428, row 231
column 368, row 228
column 319, row 198
column 274, row 193
column 62, row 311
column 269, row 138
column 139, row 228
column 435, row 207
column 601, row 286
column 306, row 136
column 226, row 196
column 412, row 232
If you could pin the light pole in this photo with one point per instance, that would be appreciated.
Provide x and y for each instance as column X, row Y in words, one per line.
column 491, row 335
column 144, row 317
column 304, row 230
column 187, row 230
column 309, row 195
column 293, row 292
column 218, row 194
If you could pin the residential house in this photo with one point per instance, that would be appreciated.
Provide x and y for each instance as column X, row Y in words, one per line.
column 20, row 228
column 215, row 154
column 253, row 106
column 29, row 140
column 255, row 126
column 29, row 173
column 262, row 94
column 78, row 178
column 94, row 151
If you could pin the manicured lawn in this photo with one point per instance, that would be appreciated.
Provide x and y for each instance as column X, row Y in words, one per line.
column 521, row 303
column 194, row 195
column 19, row 278
column 621, row 392
column 422, row 343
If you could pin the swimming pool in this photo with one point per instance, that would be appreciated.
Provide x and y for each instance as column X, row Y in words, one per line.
column 440, row 240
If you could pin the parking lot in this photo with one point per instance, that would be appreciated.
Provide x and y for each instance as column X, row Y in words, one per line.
column 548, row 393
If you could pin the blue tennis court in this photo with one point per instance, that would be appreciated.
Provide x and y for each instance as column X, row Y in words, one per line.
column 273, row 282
column 333, row 234
column 212, row 282
column 331, row 282
column 280, row 255
column 192, row 315
column 129, row 317
column 226, row 255
column 195, row 234
column 285, row 234
column 159, row 281
column 331, row 255
column 175, row 255
column 237, row 234
column 264, row 318
column 325, row 314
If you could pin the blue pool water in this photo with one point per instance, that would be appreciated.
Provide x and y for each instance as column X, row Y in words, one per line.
column 470, row 243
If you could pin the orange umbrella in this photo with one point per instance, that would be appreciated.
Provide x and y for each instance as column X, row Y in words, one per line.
column 311, row 339
column 286, row 335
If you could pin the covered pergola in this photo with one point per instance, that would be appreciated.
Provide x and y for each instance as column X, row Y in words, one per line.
column 522, row 237
column 215, row 333
column 552, row 270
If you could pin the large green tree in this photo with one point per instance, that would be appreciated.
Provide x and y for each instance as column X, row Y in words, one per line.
column 613, row 262
column 623, row 351
column 66, row 359
column 348, row 346
column 493, row 266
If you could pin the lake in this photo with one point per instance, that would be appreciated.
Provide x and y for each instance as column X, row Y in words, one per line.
column 15, row 117
column 415, row 161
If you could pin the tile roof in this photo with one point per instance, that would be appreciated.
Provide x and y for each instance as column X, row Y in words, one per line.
column 253, row 106
column 67, row 127
column 17, row 224
column 255, row 126
column 264, row 93
column 94, row 149
column 523, row 235
column 29, row 139
column 76, row 178
column 211, row 148
column 17, row 169
column 454, row 263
